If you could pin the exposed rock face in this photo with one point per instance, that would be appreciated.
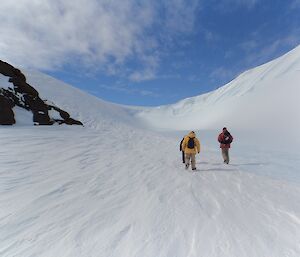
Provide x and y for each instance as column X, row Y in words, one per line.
column 7, row 116
column 24, row 95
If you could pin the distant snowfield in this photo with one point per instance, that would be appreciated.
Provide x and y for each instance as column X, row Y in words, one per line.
column 115, row 188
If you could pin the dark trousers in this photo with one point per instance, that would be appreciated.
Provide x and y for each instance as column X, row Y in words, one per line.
column 183, row 157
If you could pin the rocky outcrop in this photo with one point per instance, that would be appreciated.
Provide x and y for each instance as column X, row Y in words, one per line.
column 24, row 95
column 7, row 116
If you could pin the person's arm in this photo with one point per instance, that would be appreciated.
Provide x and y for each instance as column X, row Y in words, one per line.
column 183, row 145
column 198, row 145
column 180, row 147
column 220, row 138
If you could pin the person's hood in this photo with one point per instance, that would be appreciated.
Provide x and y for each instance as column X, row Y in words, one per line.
column 226, row 133
column 191, row 134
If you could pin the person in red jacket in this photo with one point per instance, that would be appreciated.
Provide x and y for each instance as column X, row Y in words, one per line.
column 225, row 139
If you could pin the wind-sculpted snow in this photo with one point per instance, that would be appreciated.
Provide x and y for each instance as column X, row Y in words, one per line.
column 82, row 192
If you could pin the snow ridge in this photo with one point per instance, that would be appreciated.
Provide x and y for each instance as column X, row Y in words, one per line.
column 250, row 100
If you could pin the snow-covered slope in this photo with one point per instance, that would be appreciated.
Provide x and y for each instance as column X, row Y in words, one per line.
column 92, row 110
column 261, row 98
column 114, row 189
column 76, row 192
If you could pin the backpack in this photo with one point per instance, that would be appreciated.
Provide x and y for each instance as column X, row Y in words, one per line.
column 191, row 143
column 227, row 138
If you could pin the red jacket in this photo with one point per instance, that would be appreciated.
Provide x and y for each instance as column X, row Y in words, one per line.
column 225, row 140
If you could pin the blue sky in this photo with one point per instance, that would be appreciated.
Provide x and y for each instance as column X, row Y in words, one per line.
column 147, row 52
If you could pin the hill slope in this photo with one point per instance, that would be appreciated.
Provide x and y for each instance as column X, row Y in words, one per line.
column 261, row 98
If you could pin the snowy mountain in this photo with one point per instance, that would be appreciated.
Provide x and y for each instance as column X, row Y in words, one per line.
column 116, row 188
column 265, row 97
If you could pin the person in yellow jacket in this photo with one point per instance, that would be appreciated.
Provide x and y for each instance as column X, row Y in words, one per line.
column 190, row 146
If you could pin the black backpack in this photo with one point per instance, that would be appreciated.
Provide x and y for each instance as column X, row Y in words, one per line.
column 227, row 138
column 191, row 143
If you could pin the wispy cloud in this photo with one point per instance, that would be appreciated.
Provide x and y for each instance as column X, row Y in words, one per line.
column 211, row 37
column 256, row 54
column 221, row 74
column 249, row 45
column 100, row 34
column 180, row 14
column 149, row 64
column 127, row 90
column 146, row 74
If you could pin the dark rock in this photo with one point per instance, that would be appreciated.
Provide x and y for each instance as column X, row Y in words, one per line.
column 6, row 69
column 19, row 75
column 27, row 97
column 41, row 118
column 71, row 121
column 7, row 116
column 62, row 113
column 35, row 103
column 21, row 86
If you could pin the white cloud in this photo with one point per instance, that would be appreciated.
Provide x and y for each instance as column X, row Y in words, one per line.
column 100, row 34
column 44, row 33
column 257, row 56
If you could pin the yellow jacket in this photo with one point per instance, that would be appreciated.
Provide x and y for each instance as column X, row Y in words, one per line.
column 185, row 148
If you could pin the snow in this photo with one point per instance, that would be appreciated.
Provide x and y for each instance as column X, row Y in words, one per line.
column 117, row 187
